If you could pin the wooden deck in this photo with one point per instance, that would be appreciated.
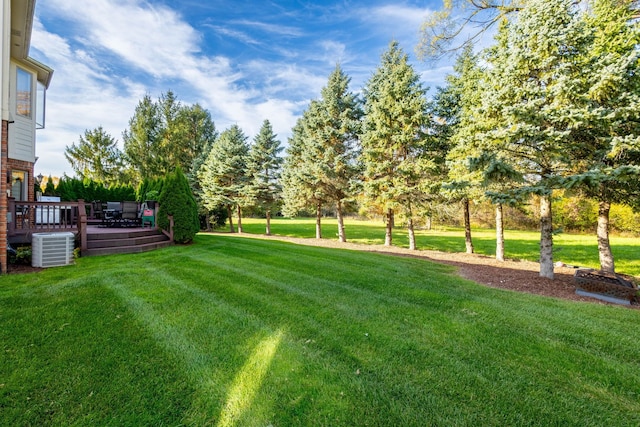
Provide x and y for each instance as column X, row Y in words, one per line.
column 27, row 218
column 105, row 241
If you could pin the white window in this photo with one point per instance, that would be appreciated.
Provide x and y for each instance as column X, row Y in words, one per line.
column 19, row 182
column 24, row 92
column 41, row 97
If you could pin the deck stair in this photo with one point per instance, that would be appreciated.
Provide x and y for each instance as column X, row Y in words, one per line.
column 124, row 241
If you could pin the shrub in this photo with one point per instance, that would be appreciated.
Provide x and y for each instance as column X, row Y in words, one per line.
column 177, row 199
column 71, row 189
column 20, row 255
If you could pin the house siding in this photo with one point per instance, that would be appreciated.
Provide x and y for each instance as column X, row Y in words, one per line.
column 21, row 141
column 22, row 134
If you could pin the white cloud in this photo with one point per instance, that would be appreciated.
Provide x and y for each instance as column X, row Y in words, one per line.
column 282, row 30
column 397, row 17
column 116, row 42
column 115, row 51
column 238, row 35
column 153, row 39
column 333, row 52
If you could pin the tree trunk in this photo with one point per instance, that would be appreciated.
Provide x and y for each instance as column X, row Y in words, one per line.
column 268, row 222
column 412, row 234
column 467, row 226
column 428, row 225
column 388, row 238
column 239, row 219
column 318, row 217
column 499, row 233
column 546, row 237
column 341, row 235
column 604, row 247
column 230, row 215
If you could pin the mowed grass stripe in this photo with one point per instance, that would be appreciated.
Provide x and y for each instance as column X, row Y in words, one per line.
column 255, row 278
column 261, row 332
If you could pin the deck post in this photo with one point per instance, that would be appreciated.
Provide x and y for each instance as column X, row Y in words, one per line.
column 82, row 225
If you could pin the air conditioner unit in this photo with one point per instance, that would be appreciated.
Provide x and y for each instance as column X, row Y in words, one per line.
column 52, row 249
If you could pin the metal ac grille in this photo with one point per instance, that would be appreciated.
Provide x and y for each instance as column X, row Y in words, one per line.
column 52, row 249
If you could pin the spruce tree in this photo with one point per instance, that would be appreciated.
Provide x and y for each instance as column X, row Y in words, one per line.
column 300, row 187
column 331, row 149
column 263, row 171
column 223, row 174
column 606, row 162
column 395, row 147
column 529, row 99
column 96, row 156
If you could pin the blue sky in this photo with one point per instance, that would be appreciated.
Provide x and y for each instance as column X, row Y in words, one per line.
column 244, row 61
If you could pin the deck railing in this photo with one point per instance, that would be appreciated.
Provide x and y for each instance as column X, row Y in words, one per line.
column 26, row 218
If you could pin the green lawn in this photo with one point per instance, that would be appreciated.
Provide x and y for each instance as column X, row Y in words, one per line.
column 571, row 249
column 248, row 332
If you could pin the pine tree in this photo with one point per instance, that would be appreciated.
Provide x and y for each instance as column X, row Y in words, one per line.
column 395, row 148
column 96, row 157
column 333, row 124
column 142, row 140
column 606, row 162
column 263, row 171
column 300, row 187
column 223, row 174
column 529, row 97
column 166, row 134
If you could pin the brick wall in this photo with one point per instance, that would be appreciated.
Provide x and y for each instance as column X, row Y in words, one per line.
column 13, row 164
column 6, row 166
column 4, row 149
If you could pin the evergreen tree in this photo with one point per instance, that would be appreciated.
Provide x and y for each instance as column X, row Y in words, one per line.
column 50, row 187
column 166, row 134
column 395, row 148
column 205, row 213
column 453, row 109
column 606, row 161
column 330, row 150
column 529, row 97
column 177, row 201
column 223, row 174
column 263, row 171
column 170, row 134
column 142, row 141
column 194, row 137
column 96, row 156
column 300, row 188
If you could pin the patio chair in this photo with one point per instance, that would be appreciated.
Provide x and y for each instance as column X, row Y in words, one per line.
column 130, row 213
column 112, row 215
column 98, row 209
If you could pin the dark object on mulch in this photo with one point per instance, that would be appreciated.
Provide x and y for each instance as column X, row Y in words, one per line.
column 609, row 286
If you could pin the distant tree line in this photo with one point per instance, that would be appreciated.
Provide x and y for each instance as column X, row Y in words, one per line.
column 548, row 115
